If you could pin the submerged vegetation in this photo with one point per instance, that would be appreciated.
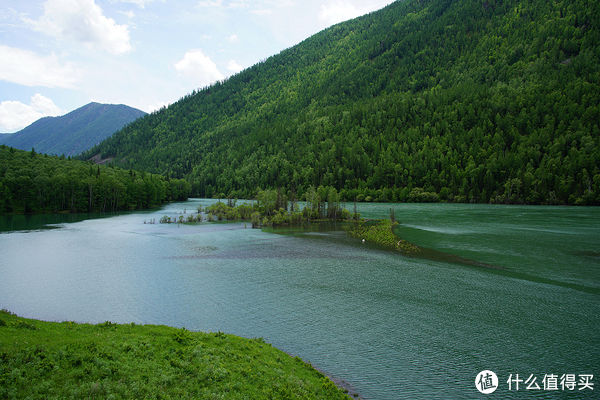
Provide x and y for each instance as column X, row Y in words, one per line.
column 273, row 208
column 69, row 360
column 264, row 214
column 37, row 183
column 381, row 232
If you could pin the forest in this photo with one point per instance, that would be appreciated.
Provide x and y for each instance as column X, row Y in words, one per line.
column 424, row 100
column 36, row 183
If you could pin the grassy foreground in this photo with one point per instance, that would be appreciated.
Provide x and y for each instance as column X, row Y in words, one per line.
column 69, row 360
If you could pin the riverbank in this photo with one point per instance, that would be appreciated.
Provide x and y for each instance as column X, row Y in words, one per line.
column 71, row 360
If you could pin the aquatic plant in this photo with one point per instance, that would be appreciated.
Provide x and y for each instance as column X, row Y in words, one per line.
column 381, row 232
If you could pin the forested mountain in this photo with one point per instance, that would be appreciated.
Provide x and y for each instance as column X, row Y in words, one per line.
column 423, row 100
column 74, row 132
column 32, row 182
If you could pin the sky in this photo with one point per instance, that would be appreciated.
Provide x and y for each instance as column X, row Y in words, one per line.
column 58, row 55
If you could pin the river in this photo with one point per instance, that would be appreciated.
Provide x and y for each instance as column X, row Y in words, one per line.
column 392, row 327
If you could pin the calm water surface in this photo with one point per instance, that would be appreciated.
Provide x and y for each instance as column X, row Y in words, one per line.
column 391, row 326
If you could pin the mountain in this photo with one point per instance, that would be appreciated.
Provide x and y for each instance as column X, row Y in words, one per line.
column 74, row 132
column 493, row 101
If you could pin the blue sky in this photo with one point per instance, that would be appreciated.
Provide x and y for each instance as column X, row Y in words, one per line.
column 58, row 55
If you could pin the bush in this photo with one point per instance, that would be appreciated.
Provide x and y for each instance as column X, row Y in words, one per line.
column 255, row 219
column 245, row 211
column 345, row 214
column 382, row 233
column 23, row 325
column 280, row 218
column 418, row 195
column 182, row 336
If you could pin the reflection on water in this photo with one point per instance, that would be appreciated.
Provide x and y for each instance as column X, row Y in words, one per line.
column 392, row 326
column 19, row 222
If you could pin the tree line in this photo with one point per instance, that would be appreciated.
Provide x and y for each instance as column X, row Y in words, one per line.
column 36, row 183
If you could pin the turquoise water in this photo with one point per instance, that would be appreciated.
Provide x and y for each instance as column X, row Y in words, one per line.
column 392, row 327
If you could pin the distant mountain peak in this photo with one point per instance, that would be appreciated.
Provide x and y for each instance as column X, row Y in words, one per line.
column 74, row 132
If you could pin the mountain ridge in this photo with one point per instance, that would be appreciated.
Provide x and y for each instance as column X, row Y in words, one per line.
column 74, row 132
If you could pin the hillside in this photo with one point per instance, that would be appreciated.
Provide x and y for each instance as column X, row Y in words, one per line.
column 34, row 183
column 69, row 360
column 423, row 100
column 74, row 132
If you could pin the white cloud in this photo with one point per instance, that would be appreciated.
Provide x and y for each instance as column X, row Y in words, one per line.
column 257, row 7
column 44, row 105
column 199, row 67
column 262, row 11
column 210, row 3
column 30, row 69
column 139, row 3
column 338, row 11
column 234, row 67
column 15, row 115
column 117, row 80
column 82, row 21
column 239, row 4
column 233, row 38
column 224, row 3
column 129, row 14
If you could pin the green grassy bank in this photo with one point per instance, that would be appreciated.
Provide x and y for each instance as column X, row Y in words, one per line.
column 381, row 232
column 70, row 360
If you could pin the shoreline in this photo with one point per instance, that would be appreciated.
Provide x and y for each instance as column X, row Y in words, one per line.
column 342, row 384
column 345, row 386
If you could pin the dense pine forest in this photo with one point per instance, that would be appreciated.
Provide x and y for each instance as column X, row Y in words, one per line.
column 33, row 183
column 425, row 100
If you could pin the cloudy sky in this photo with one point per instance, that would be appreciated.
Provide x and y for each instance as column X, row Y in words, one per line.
column 57, row 55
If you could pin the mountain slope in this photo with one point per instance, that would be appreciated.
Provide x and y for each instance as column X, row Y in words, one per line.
column 74, row 132
column 425, row 99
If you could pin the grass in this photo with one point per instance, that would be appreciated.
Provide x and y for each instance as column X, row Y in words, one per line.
column 381, row 232
column 111, row 361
